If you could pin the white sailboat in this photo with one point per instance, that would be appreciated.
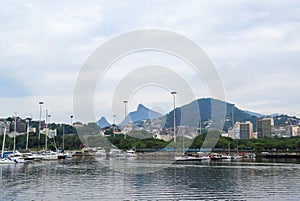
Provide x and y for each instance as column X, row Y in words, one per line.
column 184, row 157
column 17, row 157
column 6, row 160
column 48, row 155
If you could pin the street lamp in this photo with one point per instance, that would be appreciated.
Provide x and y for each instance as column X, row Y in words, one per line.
column 233, row 129
column 39, row 137
column 232, row 113
column 125, row 113
column 46, row 131
column 125, row 102
column 71, row 117
column 27, row 131
column 114, row 116
column 174, row 120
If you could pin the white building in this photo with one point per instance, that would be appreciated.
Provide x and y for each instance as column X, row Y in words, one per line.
column 295, row 130
column 49, row 132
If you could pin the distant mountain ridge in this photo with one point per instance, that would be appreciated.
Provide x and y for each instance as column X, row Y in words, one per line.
column 103, row 123
column 205, row 107
column 142, row 113
column 262, row 115
column 255, row 114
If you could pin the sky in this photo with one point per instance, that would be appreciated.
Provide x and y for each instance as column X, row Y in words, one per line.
column 254, row 46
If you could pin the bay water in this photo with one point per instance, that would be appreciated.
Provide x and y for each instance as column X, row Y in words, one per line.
column 94, row 180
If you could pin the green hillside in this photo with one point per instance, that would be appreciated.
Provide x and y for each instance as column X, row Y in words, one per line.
column 205, row 108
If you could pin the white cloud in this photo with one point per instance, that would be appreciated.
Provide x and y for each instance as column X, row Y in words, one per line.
column 254, row 45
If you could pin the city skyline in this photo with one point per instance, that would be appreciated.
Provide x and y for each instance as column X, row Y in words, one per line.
column 254, row 47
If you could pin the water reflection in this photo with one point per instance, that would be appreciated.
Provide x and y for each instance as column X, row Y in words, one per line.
column 91, row 180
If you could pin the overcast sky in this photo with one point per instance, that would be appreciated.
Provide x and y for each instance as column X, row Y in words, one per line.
column 255, row 47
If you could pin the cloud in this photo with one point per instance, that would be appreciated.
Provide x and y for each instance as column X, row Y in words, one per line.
column 255, row 47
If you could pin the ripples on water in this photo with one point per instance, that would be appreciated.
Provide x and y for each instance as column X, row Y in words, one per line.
column 90, row 180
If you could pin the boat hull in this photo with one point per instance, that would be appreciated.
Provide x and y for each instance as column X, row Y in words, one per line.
column 187, row 158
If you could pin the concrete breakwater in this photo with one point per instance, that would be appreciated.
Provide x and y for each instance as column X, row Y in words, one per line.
column 279, row 155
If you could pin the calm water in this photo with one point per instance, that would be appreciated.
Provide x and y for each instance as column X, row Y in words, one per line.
column 91, row 180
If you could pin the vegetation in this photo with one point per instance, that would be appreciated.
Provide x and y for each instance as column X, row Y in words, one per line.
column 72, row 142
column 205, row 108
column 139, row 144
column 258, row 145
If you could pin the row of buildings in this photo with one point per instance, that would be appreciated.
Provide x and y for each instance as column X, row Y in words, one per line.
column 264, row 128
column 20, row 126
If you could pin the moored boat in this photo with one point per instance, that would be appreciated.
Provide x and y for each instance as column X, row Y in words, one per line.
column 215, row 156
column 7, row 160
column 187, row 158
column 100, row 152
column 131, row 153
column 116, row 152
column 49, row 155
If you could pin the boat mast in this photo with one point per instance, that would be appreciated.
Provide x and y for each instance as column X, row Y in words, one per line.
column 46, row 130
column 27, row 134
column 15, row 131
column 63, row 130
column 3, row 144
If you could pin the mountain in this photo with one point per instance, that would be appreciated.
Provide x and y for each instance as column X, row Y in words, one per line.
column 103, row 123
column 142, row 113
column 205, row 108
column 282, row 120
column 199, row 112
column 258, row 115
column 274, row 115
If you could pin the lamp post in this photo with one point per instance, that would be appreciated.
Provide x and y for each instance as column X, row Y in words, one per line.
column 49, row 124
column 71, row 117
column 233, row 130
column 114, row 116
column 46, row 131
column 125, row 112
column 174, row 120
column 27, row 120
column 232, row 113
column 125, row 107
column 39, row 137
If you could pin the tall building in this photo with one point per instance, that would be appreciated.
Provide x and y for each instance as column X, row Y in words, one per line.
column 246, row 130
column 235, row 132
column 263, row 127
column 2, row 126
column 295, row 130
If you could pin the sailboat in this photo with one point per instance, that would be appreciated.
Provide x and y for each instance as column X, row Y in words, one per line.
column 48, row 155
column 5, row 160
column 16, row 156
column 184, row 157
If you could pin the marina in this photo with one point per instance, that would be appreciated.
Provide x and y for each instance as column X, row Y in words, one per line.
column 149, row 100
